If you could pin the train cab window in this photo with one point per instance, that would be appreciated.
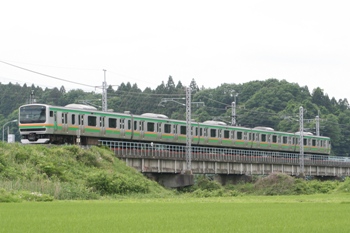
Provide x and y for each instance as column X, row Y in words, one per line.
column 213, row 133
column 73, row 119
column 263, row 137
column 112, row 123
column 226, row 134
column 239, row 135
column 182, row 129
column 91, row 121
column 150, row 126
column 274, row 138
column 167, row 128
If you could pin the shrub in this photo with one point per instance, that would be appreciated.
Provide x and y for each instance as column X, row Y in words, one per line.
column 205, row 183
column 275, row 184
column 107, row 184
column 8, row 197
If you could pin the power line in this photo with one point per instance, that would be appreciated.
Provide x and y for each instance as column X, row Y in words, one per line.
column 49, row 76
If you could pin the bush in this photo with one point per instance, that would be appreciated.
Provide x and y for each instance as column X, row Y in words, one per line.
column 205, row 183
column 107, row 184
column 275, row 184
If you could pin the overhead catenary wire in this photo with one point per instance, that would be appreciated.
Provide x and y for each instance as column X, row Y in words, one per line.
column 46, row 75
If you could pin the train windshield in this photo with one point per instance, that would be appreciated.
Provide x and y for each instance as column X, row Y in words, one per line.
column 32, row 114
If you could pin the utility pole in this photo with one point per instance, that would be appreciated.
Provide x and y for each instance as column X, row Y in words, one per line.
column 188, row 130
column 317, row 126
column 233, row 109
column 301, row 140
column 104, row 93
column 32, row 98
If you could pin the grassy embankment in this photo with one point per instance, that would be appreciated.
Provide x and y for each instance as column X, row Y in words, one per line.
column 46, row 173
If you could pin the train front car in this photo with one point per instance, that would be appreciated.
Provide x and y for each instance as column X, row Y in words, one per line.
column 34, row 123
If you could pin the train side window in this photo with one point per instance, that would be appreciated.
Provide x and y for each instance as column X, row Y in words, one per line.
column 51, row 113
column 313, row 142
column 194, row 131
column 252, row 137
column 305, row 141
column 239, row 135
column 200, row 131
column 167, row 128
column 182, row 129
column 112, row 123
column 121, row 123
column 91, row 121
column 213, row 133
column 284, row 140
column 129, row 124
column 233, row 134
column 73, row 119
column 226, row 134
column 135, row 125
column 150, row 126
column 274, row 138
column 263, row 137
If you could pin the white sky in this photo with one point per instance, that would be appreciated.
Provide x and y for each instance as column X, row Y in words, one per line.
column 143, row 42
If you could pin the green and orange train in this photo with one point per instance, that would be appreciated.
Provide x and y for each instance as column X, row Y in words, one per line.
column 40, row 123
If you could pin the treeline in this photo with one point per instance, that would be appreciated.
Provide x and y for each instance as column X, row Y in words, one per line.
column 271, row 103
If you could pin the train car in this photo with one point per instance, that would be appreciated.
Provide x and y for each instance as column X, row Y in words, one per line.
column 40, row 123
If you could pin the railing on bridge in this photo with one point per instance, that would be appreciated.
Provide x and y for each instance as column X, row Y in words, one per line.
column 125, row 149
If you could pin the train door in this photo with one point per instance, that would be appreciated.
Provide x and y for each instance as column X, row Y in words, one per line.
column 142, row 129
column 159, row 130
column 176, row 137
column 102, row 126
column 55, row 126
column 81, row 123
column 64, row 122
column 219, row 136
column 121, row 127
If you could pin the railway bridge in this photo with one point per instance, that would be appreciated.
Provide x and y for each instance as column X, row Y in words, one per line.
column 167, row 165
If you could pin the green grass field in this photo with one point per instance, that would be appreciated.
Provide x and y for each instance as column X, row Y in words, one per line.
column 313, row 213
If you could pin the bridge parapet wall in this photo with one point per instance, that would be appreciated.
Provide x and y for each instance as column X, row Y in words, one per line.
column 171, row 159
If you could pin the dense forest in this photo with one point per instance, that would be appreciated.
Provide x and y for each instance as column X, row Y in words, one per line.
column 271, row 103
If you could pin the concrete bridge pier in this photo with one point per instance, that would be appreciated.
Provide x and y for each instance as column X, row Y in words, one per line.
column 225, row 179
column 171, row 180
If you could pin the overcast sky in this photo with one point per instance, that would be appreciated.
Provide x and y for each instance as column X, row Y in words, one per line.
column 143, row 42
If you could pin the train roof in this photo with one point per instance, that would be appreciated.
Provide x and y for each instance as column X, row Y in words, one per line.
column 80, row 106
